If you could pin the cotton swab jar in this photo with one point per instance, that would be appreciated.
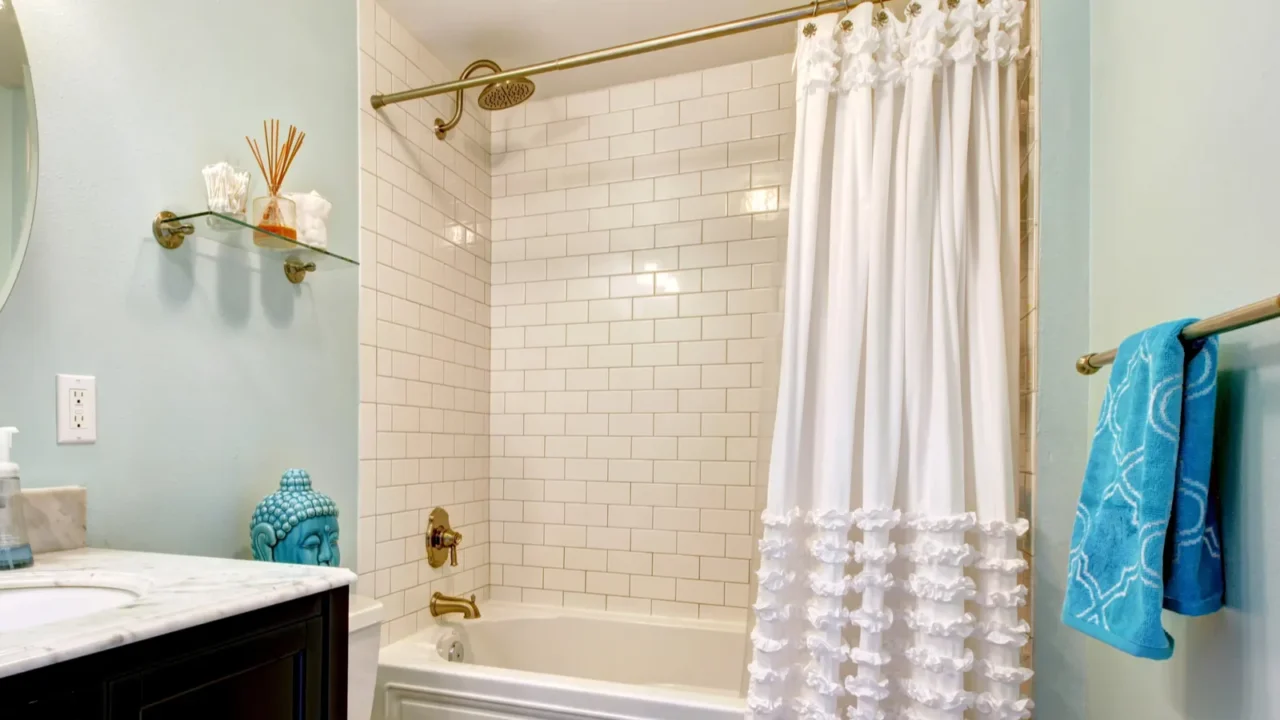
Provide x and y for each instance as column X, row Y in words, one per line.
column 228, row 193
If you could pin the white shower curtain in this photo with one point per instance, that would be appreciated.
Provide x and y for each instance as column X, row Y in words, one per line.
column 893, row 445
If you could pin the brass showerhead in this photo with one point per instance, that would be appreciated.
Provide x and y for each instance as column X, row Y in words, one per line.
column 506, row 93
column 495, row 96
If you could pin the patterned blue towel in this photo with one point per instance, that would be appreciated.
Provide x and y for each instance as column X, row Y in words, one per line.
column 1148, row 469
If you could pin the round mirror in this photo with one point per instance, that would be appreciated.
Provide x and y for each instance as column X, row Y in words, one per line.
column 17, row 149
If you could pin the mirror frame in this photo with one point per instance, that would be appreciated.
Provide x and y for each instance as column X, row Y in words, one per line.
column 33, row 152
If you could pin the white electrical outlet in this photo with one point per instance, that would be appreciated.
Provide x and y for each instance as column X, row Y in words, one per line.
column 77, row 409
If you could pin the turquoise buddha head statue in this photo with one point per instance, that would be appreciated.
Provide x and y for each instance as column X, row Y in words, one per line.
column 296, row 524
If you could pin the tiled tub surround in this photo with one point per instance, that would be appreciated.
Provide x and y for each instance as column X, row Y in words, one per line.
column 424, row 335
column 597, row 447
column 634, row 235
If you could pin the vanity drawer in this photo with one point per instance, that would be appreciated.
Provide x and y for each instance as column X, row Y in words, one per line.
column 264, row 677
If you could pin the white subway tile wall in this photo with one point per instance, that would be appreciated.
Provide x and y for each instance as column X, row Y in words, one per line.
column 634, row 235
column 424, row 329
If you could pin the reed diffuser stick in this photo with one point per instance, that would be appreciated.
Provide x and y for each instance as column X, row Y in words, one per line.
column 279, row 158
column 275, row 214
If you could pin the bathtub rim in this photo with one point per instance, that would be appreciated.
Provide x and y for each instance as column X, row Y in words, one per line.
column 402, row 663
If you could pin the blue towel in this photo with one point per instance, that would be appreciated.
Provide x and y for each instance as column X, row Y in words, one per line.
column 1146, row 529
column 1193, row 580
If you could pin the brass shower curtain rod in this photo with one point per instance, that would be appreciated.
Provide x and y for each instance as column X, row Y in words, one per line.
column 520, row 74
column 1241, row 317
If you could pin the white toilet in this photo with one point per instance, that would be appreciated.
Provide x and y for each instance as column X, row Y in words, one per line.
column 363, row 638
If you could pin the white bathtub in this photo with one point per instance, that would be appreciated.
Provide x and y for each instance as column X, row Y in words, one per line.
column 525, row 661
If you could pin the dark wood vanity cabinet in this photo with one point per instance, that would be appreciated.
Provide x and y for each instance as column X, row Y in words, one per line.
column 288, row 661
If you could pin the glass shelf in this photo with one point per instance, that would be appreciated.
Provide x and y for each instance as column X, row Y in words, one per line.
column 299, row 258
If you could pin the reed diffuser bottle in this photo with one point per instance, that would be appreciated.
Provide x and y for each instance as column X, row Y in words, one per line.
column 275, row 213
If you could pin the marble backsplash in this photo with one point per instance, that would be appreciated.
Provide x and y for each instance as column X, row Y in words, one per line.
column 55, row 518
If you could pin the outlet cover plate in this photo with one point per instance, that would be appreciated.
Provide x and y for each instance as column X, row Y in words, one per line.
column 77, row 409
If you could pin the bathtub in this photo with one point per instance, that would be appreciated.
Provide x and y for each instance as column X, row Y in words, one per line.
column 526, row 661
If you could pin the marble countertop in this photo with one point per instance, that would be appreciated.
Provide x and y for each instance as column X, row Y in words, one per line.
column 175, row 592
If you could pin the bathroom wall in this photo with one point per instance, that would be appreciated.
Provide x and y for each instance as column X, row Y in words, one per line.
column 1183, row 160
column 214, row 373
column 632, row 236
column 1063, row 427
column 424, row 329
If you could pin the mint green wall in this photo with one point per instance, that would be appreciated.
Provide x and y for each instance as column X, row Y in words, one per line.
column 1183, row 154
column 214, row 373
column 1064, row 329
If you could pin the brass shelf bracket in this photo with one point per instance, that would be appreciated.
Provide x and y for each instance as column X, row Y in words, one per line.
column 170, row 233
column 297, row 271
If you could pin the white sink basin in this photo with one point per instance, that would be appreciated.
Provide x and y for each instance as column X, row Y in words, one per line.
column 23, row 606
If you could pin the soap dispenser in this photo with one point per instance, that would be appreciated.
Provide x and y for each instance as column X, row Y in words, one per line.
column 15, row 550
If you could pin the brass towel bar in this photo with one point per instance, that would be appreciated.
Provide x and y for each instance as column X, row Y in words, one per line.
column 811, row 9
column 1241, row 317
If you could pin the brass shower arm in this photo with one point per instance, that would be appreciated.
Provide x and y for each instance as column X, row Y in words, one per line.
column 441, row 127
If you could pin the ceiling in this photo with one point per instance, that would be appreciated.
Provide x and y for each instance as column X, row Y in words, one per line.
column 516, row 33
column 12, row 55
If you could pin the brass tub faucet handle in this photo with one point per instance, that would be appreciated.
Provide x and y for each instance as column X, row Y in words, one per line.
column 442, row 540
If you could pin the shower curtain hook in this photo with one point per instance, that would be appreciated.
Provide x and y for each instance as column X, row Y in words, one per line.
column 816, row 3
column 879, row 18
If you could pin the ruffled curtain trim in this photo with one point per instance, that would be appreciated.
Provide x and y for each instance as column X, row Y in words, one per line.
column 1000, row 528
column 771, row 612
column 927, row 31
column 934, row 662
column 961, row 588
column 936, row 699
column 858, row 713
column 826, row 619
column 961, row 522
column 863, row 554
column 867, row 688
column 1006, row 674
column 774, row 579
column 823, row 648
column 872, row 578
column 867, row 657
column 858, row 47
column 1004, row 566
column 999, row 633
column 872, row 621
column 762, row 705
column 961, row 627
column 764, row 674
column 930, row 552
column 872, row 519
column 831, row 549
column 1016, row 597
column 997, row 709
column 765, row 644
column 816, row 60
column 815, row 679
column 806, row 709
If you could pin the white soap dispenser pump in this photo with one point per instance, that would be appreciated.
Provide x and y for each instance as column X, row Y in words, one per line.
column 15, row 550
